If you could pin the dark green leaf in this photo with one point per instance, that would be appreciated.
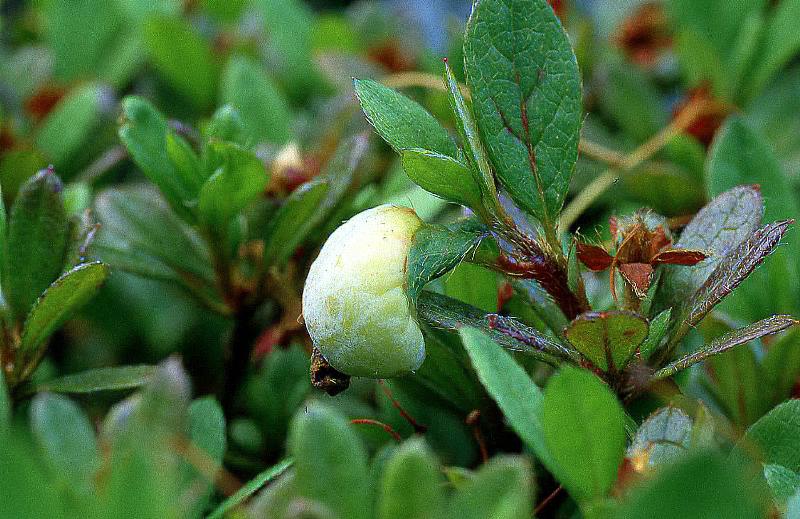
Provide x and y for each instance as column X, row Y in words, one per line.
column 66, row 437
column 294, row 220
column 250, row 488
column 773, row 438
column 737, row 385
column 526, row 94
column 608, row 339
column 780, row 43
column 657, row 329
column 442, row 176
column 185, row 162
column 100, row 379
column 329, row 458
column 583, row 427
column 774, row 324
column 238, row 178
column 511, row 387
column 401, row 122
column 59, row 303
column 783, row 482
column 6, row 406
column 207, row 434
column 182, row 58
column 781, row 365
column 501, row 489
column 246, row 87
column 411, row 485
column 38, row 232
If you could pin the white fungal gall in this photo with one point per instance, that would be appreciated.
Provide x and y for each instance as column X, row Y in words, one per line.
column 354, row 302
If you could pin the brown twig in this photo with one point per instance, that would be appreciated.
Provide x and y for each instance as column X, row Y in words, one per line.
column 541, row 506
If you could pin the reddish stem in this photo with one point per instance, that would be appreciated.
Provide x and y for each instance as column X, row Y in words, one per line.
column 386, row 427
column 418, row 427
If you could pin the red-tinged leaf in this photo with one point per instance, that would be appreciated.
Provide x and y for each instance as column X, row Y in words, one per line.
column 679, row 257
column 613, row 226
column 638, row 276
column 594, row 257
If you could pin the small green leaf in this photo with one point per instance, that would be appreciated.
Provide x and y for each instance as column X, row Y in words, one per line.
column 663, row 437
column 59, row 303
column 411, row 485
column 583, row 427
column 294, row 221
column 182, row 58
column 442, row 176
column 774, row 324
column 526, row 94
column 250, row 488
column 773, row 438
column 185, row 162
column 66, row 437
column 658, row 328
column 101, row 379
column 608, row 339
column 401, row 122
column 783, row 482
column 511, row 387
column 38, row 232
column 329, row 458
column 238, row 179
column 207, row 434
column 265, row 112
column 501, row 489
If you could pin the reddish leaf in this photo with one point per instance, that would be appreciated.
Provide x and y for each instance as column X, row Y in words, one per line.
column 594, row 257
column 679, row 257
column 638, row 276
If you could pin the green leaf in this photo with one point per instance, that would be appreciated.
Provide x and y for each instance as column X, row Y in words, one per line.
column 38, row 232
column 182, row 58
column 436, row 250
column 473, row 284
column 60, row 302
column 583, row 427
column 608, row 339
column 294, row 220
column 67, row 440
column 737, row 385
column 185, row 162
column 265, row 112
column 780, row 43
column 144, row 133
column 411, row 485
column 29, row 492
column 511, row 387
column 526, row 94
column 664, row 437
column 774, row 324
column 401, row 122
column 501, row 489
column 741, row 156
column 250, row 488
column 781, row 365
column 725, row 491
column 442, row 176
column 329, row 458
column 115, row 378
column 783, row 482
column 773, row 438
column 239, row 178
column 71, row 124
column 207, row 434
column 716, row 229
column 6, row 406
column 657, row 329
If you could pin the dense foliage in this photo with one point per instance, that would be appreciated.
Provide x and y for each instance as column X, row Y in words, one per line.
column 554, row 274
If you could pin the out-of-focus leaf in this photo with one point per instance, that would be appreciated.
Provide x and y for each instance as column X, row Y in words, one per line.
column 583, row 426
column 629, row 97
column 437, row 250
column 250, row 488
column 207, row 435
column 237, row 180
column 773, row 438
column 71, row 124
column 527, row 102
column 768, row 326
column 66, row 437
column 294, row 220
column 608, row 339
column 781, row 365
column 101, row 379
column 182, row 58
column 442, row 176
column 510, row 386
column 329, row 458
column 736, row 382
column 403, row 123
column 780, row 43
column 674, row 492
column 717, row 228
column 5, row 406
column 226, row 125
column 783, row 482
column 27, row 491
column 501, row 489
column 246, row 87
column 663, row 437
column 38, row 231
column 411, row 485
column 474, row 285
column 658, row 327
column 144, row 134
column 185, row 162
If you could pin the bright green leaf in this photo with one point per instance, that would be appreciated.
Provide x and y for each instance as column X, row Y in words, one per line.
column 411, row 485
column 294, row 220
column 608, row 339
column 501, row 489
column 773, row 438
column 442, row 176
column 115, row 378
